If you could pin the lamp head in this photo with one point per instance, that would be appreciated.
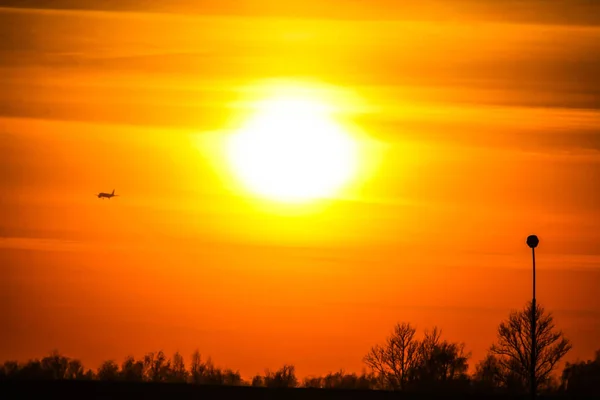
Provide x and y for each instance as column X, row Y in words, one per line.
column 532, row 241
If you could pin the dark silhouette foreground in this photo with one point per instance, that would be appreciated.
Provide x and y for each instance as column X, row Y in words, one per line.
column 92, row 390
column 404, row 366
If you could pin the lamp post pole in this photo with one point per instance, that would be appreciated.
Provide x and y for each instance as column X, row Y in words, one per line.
column 532, row 242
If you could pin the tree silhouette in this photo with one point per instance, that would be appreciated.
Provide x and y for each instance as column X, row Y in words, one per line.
column 582, row 377
column 231, row 378
column 197, row 368
column 132, row 370
column 9, row 370
column 178, row 371
column 55, row 365
column 285, row 377
column 313, row 382
column 157, row 367
column 211, row 374
column 403, row 362
column 393, row 361
column 340, row 380
column 488, row 373
column 108, row 371
column 513, row 349
column 74, row 370
column 257, row 381
column 206, row 373
column 33, row 370
column 439, row 364
column 406, row 363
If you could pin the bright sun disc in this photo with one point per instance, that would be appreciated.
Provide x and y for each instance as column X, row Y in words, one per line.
column 292, row 150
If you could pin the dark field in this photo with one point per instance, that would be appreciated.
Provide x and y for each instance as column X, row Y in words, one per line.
column 127, row 390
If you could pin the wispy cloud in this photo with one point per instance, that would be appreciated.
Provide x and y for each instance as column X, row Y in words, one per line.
column 41, row 244
column 530, row 87
column 580, row 12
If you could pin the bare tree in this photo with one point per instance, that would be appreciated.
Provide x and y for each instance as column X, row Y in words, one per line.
column 513, row 349
column 231, row 377
column 206, row 373
column 157, row 367
column 258, row 381
column 341, row 380
column 285, row 377
column 439, row 364
column 132, row 370
column 55, row 365
column 316, row 382
column 582, row 377
column 393, row 361
column 404, row 362
column 487, row 373
column 212, row 375
column 33, row 370
column 491, row 374
column 197, row 368
column 108, row 371
column 74, row 370
column 178, row 371
column 9, row 370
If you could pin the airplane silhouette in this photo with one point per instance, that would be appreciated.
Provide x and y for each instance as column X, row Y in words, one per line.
column 102, row 195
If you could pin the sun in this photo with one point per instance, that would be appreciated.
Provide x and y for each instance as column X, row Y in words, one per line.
column 292, row 149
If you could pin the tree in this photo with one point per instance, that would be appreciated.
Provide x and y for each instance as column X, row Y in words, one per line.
column 197, row 368
column 487, row 373
column 285, row 377
column 491, row 375
column 393, row 361
column 55, row 365
column 74, row 370
column 232, row 378
column 582, row 377
column 33, row 371
column 440, row 360
column 9, row 370
column 513, row 349
column 108, row 371
column 178, row 371
column 340, row 380
column 132, row 370
column 88, row 375
column 206, row 373
column 439, row 364
column 404, row 362
column 156, row 366
column 315, row 382
column 258, row 381
column 211, row 375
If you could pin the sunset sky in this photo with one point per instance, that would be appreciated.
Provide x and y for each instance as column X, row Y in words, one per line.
column 476, row 123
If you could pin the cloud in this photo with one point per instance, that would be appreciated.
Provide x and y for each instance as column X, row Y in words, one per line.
column 41, row 244
column 572, row 12
column 529, row 87
column 531, row 129
column 448, row 61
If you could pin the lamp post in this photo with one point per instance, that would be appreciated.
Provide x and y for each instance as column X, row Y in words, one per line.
column 532, row 242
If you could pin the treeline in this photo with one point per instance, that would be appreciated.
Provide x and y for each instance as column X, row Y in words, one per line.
column 403, row 362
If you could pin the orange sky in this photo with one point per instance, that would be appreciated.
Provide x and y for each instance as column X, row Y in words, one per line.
column 486, row 129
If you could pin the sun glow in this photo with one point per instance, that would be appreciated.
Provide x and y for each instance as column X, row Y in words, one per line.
column 292, row 149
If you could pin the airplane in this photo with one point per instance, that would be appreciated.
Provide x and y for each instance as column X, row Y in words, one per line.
column 102, row 195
